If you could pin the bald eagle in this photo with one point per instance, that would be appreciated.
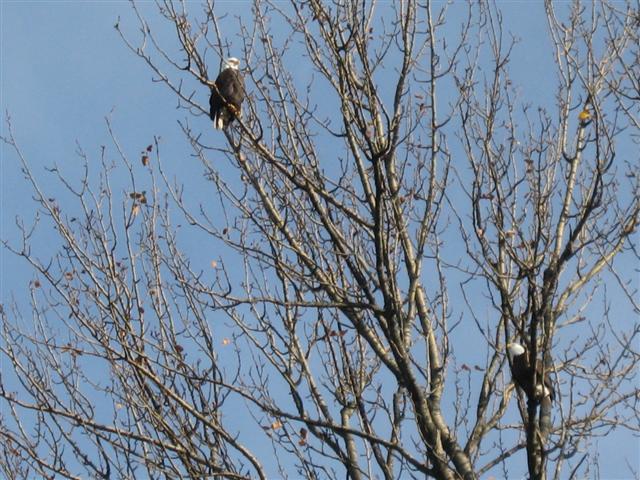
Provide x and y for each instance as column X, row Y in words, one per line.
column 522, row 374
column 227, row 94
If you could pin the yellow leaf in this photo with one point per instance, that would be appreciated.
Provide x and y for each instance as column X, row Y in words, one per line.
column 584, row 115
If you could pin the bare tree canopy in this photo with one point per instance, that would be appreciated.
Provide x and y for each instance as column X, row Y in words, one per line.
column 390, row 212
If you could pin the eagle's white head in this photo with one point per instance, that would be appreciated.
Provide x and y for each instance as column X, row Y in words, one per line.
column 231, row 62
column 515, row 349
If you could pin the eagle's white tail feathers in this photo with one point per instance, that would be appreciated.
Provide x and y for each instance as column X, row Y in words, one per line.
column 223, row 118
column 542, row 391
column 219, row 123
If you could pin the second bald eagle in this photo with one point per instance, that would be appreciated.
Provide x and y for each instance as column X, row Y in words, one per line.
column 523, row 374
column 227, row 94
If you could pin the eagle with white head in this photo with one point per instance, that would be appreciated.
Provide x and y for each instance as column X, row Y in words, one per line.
column 523, row 374
column 227, row 94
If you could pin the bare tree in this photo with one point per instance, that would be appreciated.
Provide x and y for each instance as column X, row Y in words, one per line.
column 356, row 195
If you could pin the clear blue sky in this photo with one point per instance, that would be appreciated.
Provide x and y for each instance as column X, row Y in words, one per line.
column 64, row 68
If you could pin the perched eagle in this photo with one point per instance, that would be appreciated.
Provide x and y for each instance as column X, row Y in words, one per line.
column 227, row 94
column 522, row 374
